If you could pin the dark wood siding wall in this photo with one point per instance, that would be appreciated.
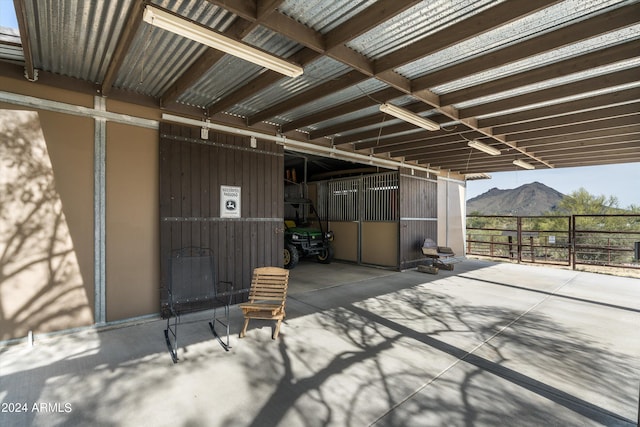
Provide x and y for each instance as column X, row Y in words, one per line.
column 418, row 216
column 191, row 173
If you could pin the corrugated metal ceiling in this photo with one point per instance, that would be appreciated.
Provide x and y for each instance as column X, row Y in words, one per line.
column 415, row 24
column 454, row 61
column 546, row 20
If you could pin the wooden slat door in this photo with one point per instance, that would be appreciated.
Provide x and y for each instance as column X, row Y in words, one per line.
column 191, row 172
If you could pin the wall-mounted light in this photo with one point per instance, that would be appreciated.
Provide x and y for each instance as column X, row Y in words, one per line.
column 484, row 147
column 409, row 117
column 523, row 164
column 196, row 32
column 204, row 131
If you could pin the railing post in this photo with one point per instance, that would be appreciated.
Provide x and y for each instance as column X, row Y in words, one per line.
column 533, row 257
column 572, row 245
column 491, row 243
column 519, row 237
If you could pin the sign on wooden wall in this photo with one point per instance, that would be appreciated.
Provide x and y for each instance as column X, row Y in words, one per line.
column 230, row 202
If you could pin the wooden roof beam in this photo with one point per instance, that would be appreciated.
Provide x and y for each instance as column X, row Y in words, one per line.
column 23, row 28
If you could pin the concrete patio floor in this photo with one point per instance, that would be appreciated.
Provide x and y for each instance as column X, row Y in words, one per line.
column 485, row 345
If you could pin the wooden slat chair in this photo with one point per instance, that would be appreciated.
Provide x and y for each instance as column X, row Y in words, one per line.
column 267, row 297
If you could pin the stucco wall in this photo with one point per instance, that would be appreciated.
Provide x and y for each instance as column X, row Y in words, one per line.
column 46, row 221
column 47, row 214
column 452, row 214
column 132, row 282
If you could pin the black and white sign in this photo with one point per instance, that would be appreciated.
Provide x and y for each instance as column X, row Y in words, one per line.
column 229, row 202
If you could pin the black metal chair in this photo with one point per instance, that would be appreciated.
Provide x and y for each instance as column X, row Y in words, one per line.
column 193, row 287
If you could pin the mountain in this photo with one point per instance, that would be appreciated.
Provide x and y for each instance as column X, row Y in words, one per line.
column 528, row 199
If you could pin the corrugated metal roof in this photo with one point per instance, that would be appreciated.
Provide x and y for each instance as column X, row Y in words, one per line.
column 415, row 24
column 584, row 95
column 547, row 58
column 93, row 26
column 337, row 98
column 323, row 15
column 78, row 38
column 315, row 73
column 551, row 18
column 10, row 45
column 418, row 132
column 156, row 49
column 210, row 89
column 343, row 118
column 169, row 53
column 557, row 82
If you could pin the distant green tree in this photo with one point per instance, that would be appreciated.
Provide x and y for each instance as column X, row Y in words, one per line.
column 581, row 202
column 603, row 232
column 634, row 209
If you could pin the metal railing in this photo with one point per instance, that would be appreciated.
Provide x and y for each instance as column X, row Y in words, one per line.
column 604, row 240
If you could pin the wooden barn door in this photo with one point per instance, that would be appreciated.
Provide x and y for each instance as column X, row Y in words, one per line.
column 221, row 194
column 418, row 216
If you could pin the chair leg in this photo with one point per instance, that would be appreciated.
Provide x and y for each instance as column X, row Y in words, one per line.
column 243, row 332
column 172, row 346
column 277, row 329
column 225, row 321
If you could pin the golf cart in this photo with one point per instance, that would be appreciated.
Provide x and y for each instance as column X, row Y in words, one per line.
column 304, row 234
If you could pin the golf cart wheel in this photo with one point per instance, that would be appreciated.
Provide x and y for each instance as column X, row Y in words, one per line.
column 291, row 256
column 326, row 255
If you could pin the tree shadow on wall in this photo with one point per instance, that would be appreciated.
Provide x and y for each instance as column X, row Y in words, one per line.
column 41, row 288
column 385, row 367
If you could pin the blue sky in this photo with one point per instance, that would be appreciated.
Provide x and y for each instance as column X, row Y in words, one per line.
column 7, row 14
column 622, row 181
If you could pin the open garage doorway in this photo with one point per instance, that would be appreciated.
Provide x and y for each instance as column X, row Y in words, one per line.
column 376, row 216
column 315, row 204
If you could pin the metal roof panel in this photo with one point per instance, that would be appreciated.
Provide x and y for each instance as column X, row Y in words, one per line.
column 156, row 58
column 315, row 74
column 237, row 72
column 587, row 46
column 323, row 15
column 535, row 24
column 547, row 84
column 416, row 23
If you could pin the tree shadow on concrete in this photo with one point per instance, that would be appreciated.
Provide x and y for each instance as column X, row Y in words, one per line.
column 106, row 377
column 420, row 357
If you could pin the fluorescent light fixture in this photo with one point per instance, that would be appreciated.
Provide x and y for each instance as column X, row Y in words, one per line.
column 523, row 164
column 193, row 31
column 484, row 147
column 409, row 117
